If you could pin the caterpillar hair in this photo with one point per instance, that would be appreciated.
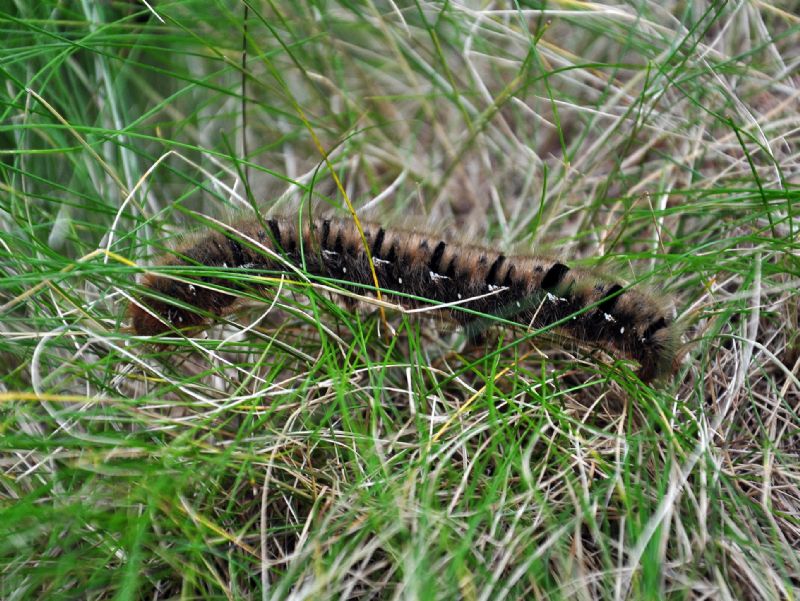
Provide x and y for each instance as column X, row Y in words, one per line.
column 533, row 291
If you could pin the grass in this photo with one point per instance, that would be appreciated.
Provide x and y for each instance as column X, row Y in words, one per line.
column 294, row 451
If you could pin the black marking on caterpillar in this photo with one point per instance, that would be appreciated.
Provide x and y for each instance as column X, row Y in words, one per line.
column 436, row 257
column 491, row 277
column 276, row 231
column 378, row 243
column 610, row 299
column 554, row 276
column 237, row 251
column 533, row 291
column 326, row 231
column 654, row 327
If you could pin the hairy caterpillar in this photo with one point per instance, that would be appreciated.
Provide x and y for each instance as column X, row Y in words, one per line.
column 532, row 291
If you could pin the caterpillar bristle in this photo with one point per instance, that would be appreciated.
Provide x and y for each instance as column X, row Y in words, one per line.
column 533, row 291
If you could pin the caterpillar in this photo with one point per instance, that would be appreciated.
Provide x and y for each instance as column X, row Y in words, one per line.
column 533, row 291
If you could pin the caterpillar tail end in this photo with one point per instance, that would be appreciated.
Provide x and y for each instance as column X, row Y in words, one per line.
column 151, row 316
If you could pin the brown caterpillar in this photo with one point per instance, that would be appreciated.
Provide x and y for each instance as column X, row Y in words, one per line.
column 529, row 290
